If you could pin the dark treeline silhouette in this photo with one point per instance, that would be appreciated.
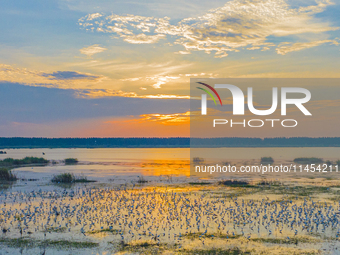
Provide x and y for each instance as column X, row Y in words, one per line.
column 179, row 142
column 266, row 142
column 21, row 142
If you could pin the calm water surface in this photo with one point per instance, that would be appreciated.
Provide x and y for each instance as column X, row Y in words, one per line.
column 126, row 165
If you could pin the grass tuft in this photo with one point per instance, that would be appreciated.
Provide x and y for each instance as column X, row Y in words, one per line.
column 10, row 162
column 7, row 175
column 31, row 243
column 69, row 178
column 71, row 161
column 308, row 160
column 234, row 183
column 267, row 160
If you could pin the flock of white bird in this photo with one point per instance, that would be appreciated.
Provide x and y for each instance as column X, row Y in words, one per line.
column 162, row 215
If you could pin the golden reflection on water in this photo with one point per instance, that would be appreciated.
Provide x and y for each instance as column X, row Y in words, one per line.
column 165, row 167
column 191, row 217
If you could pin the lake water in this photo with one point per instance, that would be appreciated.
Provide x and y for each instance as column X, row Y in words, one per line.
column 78, row 213
column 128, row 165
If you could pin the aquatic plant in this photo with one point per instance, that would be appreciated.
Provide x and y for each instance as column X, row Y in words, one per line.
column 141, row 179
column 198, row 160
column 25, row 161
column 234, row 183
column 267, row 160
column 7, row 175
column 312, row 160
column 71, row 161
column 69, row 178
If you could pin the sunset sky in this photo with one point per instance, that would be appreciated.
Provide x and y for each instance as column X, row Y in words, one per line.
column 106, row 68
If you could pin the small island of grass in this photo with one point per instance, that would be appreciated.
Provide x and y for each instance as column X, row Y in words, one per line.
column 267, row 160
column 71, row 161
column 7, row 175
column 10, row 162
column 69, row 178
column 312, row 160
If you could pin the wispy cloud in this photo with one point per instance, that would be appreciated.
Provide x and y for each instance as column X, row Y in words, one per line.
column 285, row 48
column 238, row 25
column 80, row 83
column 68, row 75
column 142, row 38
column 93, row 49
column 57, row 79
column 159, row 79
column 99, row 93
column 167, row 119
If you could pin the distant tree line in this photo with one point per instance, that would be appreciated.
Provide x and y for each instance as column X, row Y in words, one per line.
column 177, row 142
column 22, row 142
column 266, row 142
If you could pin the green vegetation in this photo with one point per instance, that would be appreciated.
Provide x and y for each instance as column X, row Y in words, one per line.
column 197, row 160
column 142, row 247
column 56, row 230
column 329, row 163
column 292, row 240
column 110, row 230
column 296, row 191
column 194, row 236
column 7, row 175
column 308, row 160
column 31, row 243
column 10, row 162
column 233, row 251
column 200, row 183
column 267, row 160
column 338, row 162
column 234, row 183
column 141, row 179
column 69, row 178
column 71, row 161
column 268, row 183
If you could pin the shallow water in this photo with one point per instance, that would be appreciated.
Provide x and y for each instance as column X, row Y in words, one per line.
column 157, row 165
column 167, row 206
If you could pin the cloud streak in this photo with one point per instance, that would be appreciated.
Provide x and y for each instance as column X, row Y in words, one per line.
column 57, row 79
column 93, row 49
column 238, row 25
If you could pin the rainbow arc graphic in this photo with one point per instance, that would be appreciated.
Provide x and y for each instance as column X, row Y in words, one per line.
column 209, row 93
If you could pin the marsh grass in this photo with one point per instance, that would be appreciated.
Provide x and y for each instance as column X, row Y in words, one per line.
column 113, row 231
column 7, row 175
column 69, row 178
column 141, row 180
column 10, row 162
column 301, row 191
column 71, row 161
column 267, row 160
column 145, row 247
column 234, row 183
column 200, row 183
column 232, row 251
column 269, row 183
column 55, row 230
column 292, row 240
column 32, row 243
column 312, row 160
column 198, row 160
column 194, row 236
